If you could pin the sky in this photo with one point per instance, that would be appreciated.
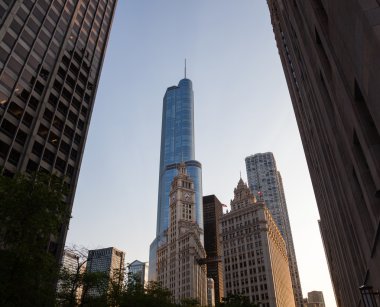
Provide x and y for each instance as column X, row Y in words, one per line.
column 242, row 107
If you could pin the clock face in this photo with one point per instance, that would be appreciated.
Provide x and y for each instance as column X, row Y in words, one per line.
column 187, row 196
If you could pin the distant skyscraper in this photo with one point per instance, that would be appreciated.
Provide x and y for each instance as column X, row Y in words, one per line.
column 263, row 177
column 177, row 145
column 106, row 260
column 332, row 67
column 315, row 299
column 75, row 266
column 212, row 213
column 139, row 270
column 255, row 259
column 180, row 261
column 51, row 55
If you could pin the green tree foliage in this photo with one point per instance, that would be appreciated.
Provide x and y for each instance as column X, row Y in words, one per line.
column 31, row 213
column 237, row 300
column 136, row 295
column 190, row 302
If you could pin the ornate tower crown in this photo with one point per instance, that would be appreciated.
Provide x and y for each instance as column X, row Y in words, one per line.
column 242, row 196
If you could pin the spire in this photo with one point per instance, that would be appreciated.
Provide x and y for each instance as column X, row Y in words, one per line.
column 185, row 68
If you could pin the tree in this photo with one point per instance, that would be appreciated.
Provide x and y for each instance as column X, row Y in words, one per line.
column 190, row 302
column 237, row 300
column 32, row 212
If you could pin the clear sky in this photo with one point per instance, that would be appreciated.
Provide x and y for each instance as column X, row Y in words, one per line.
column 242, row 107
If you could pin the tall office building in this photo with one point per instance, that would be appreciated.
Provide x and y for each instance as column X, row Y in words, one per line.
column 332, row 66
column 72, row 264
column 315, row 299
column 212, row 213
column 180, row 261
column 139, row 271
column 177, row 145
column 255, row 258
column 105, row 260
column 51, row 54
column 263, row 177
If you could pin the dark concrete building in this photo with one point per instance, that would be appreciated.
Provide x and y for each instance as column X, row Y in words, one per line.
column 212, row 213
column 330, row 55
column 51, row 54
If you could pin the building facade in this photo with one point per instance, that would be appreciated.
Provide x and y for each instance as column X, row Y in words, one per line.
column 51, row 55
column 264, row 178
column 177, row 145
column 255, row 258
column 210, row 292
column 180, row 261
column 212, row 213
column 106, row 260
column 315, row 299
column 73, row 265
column 331, row 64
column 139, row 271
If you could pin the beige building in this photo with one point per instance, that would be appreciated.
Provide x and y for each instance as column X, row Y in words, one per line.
column 314, row 299
column 330, row 54
column 254, row 253
column 180, row 261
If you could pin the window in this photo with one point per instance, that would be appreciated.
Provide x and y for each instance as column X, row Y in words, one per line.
column 27, row 120
column 21, row 137
column 60, row 165
column 3, row 149
column 62, row 108
column 42, row 131
column 37, row 148
column 64, row 147
column 8, row 128
column 14, row 157
column 15, row 110
column 33, row 102
column 48, row 156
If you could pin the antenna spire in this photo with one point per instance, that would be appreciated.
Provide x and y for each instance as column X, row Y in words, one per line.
column 185, row 68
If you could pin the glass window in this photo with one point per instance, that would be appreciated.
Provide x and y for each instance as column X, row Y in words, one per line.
column 31, row 167
column 20, row 51
column 9, row 39
column 14, row 65
column 22, row 13
column 16, row 26
column 8, row 128
column 27, row 120
column 15, row 110
column 14, row 157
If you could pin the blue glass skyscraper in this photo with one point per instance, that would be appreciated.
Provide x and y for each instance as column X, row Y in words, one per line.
column 177, row 145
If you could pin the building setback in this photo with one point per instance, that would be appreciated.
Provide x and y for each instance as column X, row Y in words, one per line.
column 332, row 66
column 212, row 213
column 51, row 54
column 177, row 145
column 264, row 177
column 180, row 261
column 255, row 259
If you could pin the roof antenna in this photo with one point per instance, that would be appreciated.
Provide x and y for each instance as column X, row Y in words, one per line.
column 185, row 68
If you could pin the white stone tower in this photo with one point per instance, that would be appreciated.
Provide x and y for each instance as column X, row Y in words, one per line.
column 180, row 261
